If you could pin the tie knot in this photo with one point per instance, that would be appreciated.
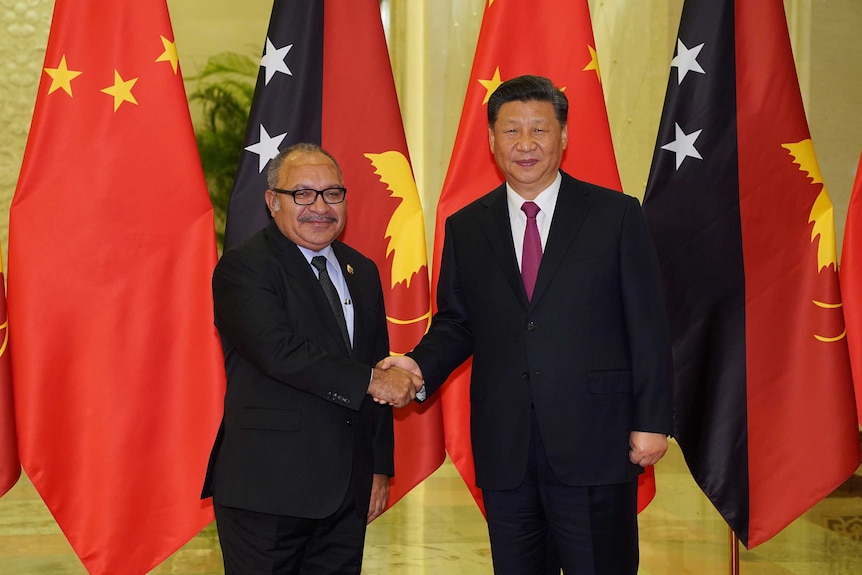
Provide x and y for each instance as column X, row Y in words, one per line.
column 319, row 262
column 530, row 208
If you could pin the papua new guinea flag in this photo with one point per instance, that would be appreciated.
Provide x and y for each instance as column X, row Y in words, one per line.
column 744, row 228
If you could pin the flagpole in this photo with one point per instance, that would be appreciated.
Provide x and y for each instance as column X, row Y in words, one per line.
column 734, row 552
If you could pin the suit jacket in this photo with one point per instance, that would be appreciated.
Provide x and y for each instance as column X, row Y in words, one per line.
column 298, row 425
column 590, row 353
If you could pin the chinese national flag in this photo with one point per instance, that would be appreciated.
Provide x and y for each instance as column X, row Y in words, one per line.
column 10, row 466
column 118, row 369
column 547, row 38
column 325, row 78
column 851, row 284
column 744, row 230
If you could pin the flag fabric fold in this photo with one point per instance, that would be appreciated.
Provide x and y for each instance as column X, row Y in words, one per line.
column 118, row 369
column 546, row 38
column 745, row 234
column 321, row 81
column 851, row 284
column 10, row 466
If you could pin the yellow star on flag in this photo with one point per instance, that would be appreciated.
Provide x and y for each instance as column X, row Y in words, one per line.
column 491, row 85
column 594, row 63
column 121, row 90
column 61, row 77
column 170, row 53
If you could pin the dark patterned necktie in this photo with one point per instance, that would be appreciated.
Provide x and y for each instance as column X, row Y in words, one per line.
column 531, row 256
column 332, row 295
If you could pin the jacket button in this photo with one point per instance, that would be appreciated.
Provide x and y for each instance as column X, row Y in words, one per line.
column 350, row 423
column 531, row 326
column 525, row 376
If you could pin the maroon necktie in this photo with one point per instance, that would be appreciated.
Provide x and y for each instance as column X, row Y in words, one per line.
column 531, row 256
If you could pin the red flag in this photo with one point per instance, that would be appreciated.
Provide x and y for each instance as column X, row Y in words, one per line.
column 322, row 82
column 547, row 38
column 744, row 230
column 851, row 284
column 10, row 467
column 118, row 368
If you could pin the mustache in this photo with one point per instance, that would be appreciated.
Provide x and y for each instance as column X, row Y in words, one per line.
column 318, row 218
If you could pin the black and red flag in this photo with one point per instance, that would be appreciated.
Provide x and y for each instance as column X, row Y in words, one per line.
column 744, row 229
column 325, row 78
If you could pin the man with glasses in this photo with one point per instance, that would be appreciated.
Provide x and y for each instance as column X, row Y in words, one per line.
column 304, row 453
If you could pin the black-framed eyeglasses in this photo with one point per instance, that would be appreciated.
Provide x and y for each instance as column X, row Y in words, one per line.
column 307, row 196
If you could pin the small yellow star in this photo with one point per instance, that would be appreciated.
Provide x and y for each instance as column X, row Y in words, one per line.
column 490, row 2
column 170, row 53
column 491, row 85
column 61, row 77
column 121, row 90
column 594, row 63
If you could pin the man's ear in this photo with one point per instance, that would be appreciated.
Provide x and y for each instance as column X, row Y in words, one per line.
column 271, row 199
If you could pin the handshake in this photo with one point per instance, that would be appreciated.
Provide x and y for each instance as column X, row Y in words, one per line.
column 395, row 380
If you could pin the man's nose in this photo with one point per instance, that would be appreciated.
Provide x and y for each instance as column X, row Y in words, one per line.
column 526, row 141
column 319, row 205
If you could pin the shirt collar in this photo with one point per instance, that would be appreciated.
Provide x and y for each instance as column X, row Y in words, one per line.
column 546, row 200
column 326, row 252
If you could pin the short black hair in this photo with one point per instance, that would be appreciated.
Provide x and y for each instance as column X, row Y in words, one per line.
column 527, row 89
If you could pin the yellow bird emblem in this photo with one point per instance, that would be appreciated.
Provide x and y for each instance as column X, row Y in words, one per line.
column 405, row 233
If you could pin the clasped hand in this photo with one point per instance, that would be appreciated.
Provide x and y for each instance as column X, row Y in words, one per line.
column 392, row 383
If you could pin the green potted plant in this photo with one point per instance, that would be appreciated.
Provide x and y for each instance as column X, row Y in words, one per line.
column 224, row 91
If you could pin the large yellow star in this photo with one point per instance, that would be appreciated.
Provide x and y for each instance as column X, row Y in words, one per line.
column 491, row 85
column 170, row 53
column 61, row 77
column 594, row 63
column 121, row 90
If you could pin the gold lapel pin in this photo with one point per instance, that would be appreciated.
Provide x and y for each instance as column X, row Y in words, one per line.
column 350, row 269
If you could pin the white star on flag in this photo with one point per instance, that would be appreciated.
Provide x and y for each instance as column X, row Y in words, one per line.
column 273, row 60
column 683, row 146
column 686, row 60
column 266, row 148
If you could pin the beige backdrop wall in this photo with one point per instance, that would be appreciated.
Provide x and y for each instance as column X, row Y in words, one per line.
column 432, row 44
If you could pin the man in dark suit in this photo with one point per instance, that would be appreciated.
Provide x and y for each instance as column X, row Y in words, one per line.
column 304, row 453
column 570, row 388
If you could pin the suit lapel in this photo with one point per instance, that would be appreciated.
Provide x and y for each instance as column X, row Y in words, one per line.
column 294, row 264
column 573, row 205
column 354, row 286
column 494, row 221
